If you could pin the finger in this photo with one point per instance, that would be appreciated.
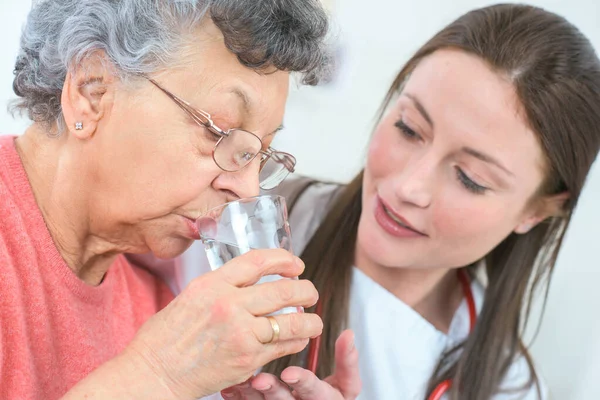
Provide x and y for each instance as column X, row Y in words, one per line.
column 247, row 392
column 233, row 391
column 292, row 326
column 271, row 387
column 307, row 386
column 231, row 394
column 267, row 298
column 273, row 351
column 347, row 375
column 248, row 268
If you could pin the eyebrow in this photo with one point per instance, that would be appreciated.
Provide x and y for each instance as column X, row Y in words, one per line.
column 246, row 102
column 486, row 158
column 280, row 128
column 243, row 96
column 420, row 107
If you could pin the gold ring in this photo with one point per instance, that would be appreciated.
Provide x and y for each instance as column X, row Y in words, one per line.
column 276, row 330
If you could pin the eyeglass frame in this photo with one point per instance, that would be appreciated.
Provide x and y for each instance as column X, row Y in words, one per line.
column 204, row 119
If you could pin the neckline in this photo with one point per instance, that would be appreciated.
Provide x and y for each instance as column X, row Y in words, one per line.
column 38, row 231
column 371, row 291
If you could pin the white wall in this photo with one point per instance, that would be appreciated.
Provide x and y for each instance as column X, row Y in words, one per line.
column 12, row 17
column 328, row 128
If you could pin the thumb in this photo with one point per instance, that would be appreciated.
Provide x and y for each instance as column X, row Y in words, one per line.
column 346, row 374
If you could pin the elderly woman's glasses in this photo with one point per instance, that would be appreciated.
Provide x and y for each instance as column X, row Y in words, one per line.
column 237, row 148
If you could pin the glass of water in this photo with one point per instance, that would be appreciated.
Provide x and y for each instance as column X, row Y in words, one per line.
column 237, row 227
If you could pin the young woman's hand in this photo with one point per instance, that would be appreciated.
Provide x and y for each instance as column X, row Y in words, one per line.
column 300, row 384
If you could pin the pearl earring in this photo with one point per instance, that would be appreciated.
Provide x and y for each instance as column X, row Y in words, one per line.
column 78, row 126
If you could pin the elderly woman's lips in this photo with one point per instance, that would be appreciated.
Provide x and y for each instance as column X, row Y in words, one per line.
column 192, row 227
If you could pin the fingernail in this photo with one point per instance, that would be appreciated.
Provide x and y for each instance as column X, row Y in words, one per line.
column 299, row 262
column 264, row 388
column 228, row 395
column 291, row 381
column 351, row 347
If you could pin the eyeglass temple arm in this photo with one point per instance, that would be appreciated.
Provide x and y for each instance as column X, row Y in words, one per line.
column 200, row 117
column 204, row 119
column 281, row 157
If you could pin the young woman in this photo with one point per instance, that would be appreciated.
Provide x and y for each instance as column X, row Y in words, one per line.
column 473, row 172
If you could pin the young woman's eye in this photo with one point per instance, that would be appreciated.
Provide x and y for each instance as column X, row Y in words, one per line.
column 406, row 130
column 469, row 184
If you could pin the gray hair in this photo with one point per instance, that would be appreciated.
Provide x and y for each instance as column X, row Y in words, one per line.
column 143, row 36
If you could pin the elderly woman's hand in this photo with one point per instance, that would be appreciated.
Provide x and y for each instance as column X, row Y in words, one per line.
column 344, row 384
column 213, row 334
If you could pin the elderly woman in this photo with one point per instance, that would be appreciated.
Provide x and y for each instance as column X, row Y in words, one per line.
column 117, row 161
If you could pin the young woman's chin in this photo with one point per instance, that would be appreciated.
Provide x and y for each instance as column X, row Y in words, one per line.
column 379, row 248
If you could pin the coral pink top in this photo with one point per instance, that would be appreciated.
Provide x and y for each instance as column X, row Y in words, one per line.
column 54, row 328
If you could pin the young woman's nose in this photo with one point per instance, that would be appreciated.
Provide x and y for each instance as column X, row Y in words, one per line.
column 414, row 183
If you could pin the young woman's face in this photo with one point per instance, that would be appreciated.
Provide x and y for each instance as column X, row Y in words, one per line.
column 452, row 168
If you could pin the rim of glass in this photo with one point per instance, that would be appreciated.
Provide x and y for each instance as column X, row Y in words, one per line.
column 242, row 200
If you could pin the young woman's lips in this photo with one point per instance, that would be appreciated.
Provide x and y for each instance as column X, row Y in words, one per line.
column 394, row 224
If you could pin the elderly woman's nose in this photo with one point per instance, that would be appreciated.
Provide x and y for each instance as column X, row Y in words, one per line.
column 244, row 183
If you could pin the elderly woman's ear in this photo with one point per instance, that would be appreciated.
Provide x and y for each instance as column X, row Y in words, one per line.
column 88, row 94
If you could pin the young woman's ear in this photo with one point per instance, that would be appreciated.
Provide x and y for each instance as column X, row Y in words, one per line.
column 549, row 206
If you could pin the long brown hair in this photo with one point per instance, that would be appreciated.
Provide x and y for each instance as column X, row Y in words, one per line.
column 556, row 75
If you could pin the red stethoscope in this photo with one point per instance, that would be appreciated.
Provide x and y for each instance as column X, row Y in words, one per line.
column 442, row 388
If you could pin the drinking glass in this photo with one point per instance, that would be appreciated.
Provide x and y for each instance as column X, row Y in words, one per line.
column 235, row 228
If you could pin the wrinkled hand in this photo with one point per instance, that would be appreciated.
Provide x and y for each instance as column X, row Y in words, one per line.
column 344, row 384
column 213, row 335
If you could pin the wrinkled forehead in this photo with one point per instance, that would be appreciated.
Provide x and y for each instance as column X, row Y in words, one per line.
column 213, row 77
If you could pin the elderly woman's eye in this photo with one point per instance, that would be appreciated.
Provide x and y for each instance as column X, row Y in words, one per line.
column 242, row 158
column 212, row 135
